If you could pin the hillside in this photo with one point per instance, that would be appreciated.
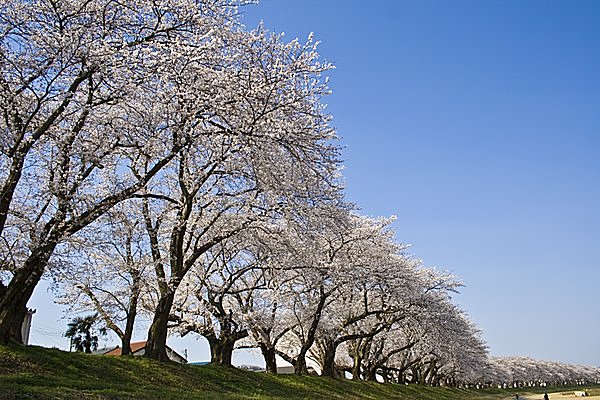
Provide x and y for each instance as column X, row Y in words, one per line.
column 40, row 373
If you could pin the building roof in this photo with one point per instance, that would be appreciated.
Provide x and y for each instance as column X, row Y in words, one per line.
column 135, row 347
column 104, row 350
column 138, row 349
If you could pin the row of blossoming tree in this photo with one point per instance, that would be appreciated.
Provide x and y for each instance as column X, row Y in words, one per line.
column 158, row 159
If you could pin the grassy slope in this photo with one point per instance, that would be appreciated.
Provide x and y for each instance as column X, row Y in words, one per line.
column 39, row 373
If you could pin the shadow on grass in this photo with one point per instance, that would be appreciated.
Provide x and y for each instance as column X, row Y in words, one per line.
column 40, row 373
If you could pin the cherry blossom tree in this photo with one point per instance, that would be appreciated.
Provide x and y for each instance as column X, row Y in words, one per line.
column 375, row 296
column 267, row 310
column 525, row 371
column 331, row 260
column 263, row 145
column 107, row 268
column 454, row 352
column 377, row 354
column 207, row 302
column 85, row 95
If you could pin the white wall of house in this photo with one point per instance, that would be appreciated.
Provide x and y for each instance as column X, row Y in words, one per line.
column 26, row 326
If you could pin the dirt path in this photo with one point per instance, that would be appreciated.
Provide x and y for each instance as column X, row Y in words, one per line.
column 557, row 396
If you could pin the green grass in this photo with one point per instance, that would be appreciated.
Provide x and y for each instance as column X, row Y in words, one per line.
column 40, row 373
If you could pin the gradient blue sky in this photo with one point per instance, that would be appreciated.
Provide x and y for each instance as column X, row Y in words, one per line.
column 477, row 123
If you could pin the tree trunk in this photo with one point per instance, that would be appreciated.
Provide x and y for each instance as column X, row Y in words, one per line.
column 402, row 378
column 126, row 338
column 126, row 344
column 300, row 367
column 356, row 366
column 386, row 375
column 371, row 373
column 270, row 359
column 414, row 374
column 13, row 304
column 358, row 349
column 221, row 350
column 10, row 184
column 328, row 360
column 421, row 374
column 156, row 345
column 131, row 315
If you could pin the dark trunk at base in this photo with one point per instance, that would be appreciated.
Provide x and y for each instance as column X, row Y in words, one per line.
column 300, row 367
column 126, row 343
column 13, row 304
column 371, row 374
column 156, row 345
column 131, row 314
column 221, row 348
column 328, row 361
column 268, row 354
column 221, row 351
column 356, row 366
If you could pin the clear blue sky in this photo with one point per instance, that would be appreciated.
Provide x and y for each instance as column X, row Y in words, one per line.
column 477, row 123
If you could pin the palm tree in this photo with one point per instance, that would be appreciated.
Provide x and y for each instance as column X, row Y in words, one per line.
column 80, row 330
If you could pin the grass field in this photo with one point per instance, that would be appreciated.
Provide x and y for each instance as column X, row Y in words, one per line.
column 40, row 373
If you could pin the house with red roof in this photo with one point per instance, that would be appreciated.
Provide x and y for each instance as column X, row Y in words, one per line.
column 139, row 349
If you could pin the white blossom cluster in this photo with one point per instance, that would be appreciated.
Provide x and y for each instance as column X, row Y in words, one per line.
column 524, row 372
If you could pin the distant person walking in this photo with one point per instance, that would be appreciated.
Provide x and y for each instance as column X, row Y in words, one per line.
column 546, row 396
